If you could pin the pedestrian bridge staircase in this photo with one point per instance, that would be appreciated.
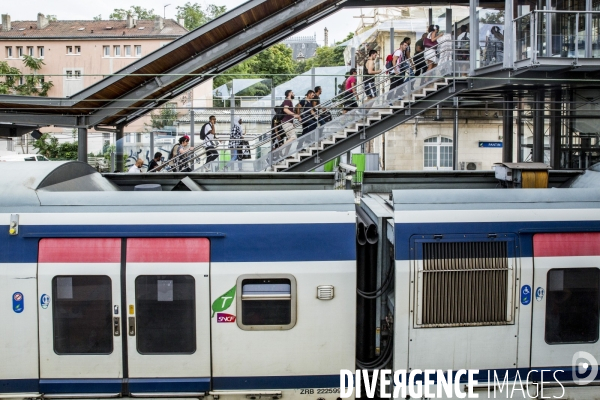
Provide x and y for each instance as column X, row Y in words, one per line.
column 346, row 131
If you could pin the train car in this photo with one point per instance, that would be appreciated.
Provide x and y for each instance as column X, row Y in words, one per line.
column 109, row 293
column 506, row 282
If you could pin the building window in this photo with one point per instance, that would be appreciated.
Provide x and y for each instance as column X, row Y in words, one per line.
column 30, row 51
column 19, row 51
column 138, row 51
column 77, row 74
column 9, row 52
column 69, row 74
column 106, row 50
column 572, row 305
column 21, row 81
column 266, row 302
column 77, row 49
column 82, row 314
column 127, row 51
column 437, row 153
column 117, row 52
column 41, row 51
column 69, row 49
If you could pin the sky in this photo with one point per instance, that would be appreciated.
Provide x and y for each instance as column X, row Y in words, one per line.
column 337, row 24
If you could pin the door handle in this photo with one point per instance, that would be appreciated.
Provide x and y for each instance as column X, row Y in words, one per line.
column 117, row 326
column 131, row 326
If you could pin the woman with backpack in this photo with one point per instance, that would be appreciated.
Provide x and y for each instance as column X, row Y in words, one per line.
column 180, row 163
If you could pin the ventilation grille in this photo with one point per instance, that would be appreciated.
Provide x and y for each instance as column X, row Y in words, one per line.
column 465, row 283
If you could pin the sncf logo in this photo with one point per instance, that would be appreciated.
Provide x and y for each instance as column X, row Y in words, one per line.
column 223, row 317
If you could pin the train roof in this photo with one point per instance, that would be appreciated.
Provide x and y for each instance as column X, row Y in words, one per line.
column 72, row 183
column 482, row 199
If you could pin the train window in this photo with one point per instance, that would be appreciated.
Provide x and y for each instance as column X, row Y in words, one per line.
column 266, row 303
column 166, row 314
column 572, row 305
column 81, row 311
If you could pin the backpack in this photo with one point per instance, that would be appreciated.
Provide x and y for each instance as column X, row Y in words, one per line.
column 389, row 61
column 174, row 150
column 279, row 113
column 202, row 134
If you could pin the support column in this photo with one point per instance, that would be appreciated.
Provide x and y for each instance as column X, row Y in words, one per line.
column 313, row 78
column 192, row 127
column 449, row 21
column 538, row 126
column 473, row 36
column 430, row 17
column 82, row 144
column 392, row 48
column 119, row 145
column 152, row 145
column 507, row 129
column 555, row 129
column 455, row 136
column 519, row 130
column 509, row 43
column 353, row 57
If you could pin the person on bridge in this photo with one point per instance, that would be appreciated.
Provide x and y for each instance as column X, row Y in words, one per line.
column 154, row 162
column 137, row 167
column 208, row 135
column 235, row 141
column 430, row 43
column 369, row 73
column 287, row 123
column 350, row 93
column 307, row 113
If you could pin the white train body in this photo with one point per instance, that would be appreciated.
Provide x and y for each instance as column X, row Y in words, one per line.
column 237, row 295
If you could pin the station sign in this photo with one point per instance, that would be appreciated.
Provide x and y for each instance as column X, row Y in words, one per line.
column 490, row 144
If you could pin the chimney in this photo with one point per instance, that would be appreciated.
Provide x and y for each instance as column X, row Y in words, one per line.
column 159, row 23
column 181, row 21
column 42, row 21
column 326, row 38
column 130, row 22
column 6, row 22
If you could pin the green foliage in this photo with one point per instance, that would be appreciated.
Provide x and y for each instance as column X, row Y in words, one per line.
column 48, row 146
column 324, row 57
column 51, row 18
column 492, row 17
column 98, row 17
column 194, row 15
column 274, row 63
column 138, row 11
column 165, row 117
column 33, row 84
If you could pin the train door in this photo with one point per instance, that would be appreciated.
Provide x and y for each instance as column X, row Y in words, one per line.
column 168, row 316
column 79, row 316
column 565, row 296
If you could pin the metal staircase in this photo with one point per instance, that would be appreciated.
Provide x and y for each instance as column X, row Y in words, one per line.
column 347, row 131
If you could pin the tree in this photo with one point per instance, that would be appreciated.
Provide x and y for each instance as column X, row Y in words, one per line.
column 493, row 17
column 194, row 15
column 273, row 63
column 98, row 17
column 332, row 56
column 165, row 117
column 139, row 12
column 48, row 146
column 51, row 18
column 33, row 83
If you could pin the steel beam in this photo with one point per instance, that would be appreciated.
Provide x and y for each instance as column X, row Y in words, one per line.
column 82, row 142
column 555, row 128
column 119, row 149
column 455, row 135
column 376, row 129
column 30, row 118
column 507, row 129
column 538, row 126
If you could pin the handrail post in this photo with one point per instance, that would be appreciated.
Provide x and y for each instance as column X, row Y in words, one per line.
column 576, row 38
column 534, row 49
column 588, row 34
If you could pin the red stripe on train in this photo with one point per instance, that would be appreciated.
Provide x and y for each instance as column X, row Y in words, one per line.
column 80, row 250
column 168, row 250
column 566, row 244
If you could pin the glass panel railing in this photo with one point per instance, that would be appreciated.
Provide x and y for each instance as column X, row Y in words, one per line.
column 491, row 37
column 557, row 34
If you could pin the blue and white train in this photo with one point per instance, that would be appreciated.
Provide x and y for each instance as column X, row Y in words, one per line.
column 246, row 295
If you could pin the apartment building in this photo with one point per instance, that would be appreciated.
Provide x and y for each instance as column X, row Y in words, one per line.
column 77, row 54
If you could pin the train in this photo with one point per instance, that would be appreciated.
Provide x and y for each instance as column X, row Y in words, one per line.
column 236, row 295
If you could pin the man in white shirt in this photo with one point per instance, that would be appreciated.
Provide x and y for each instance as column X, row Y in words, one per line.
column 137, row 167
